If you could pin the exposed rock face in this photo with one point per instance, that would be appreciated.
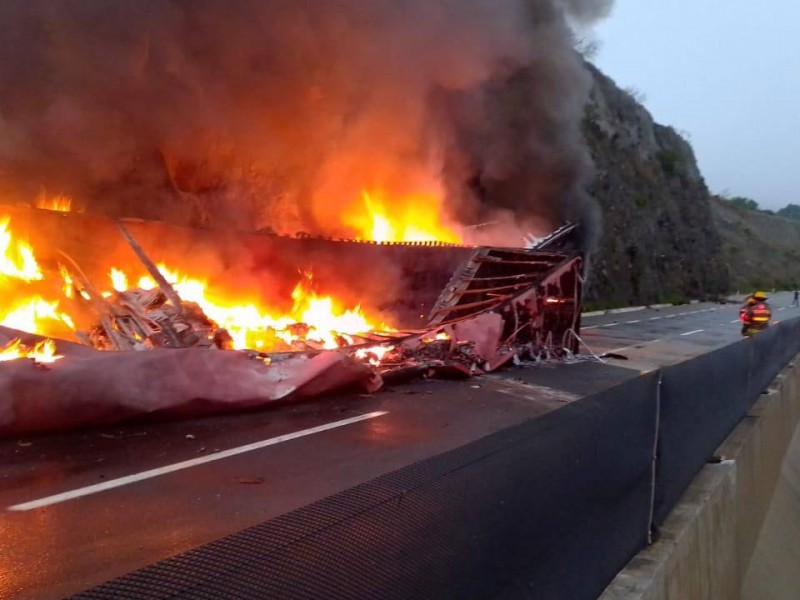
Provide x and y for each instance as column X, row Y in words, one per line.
column 659, row 241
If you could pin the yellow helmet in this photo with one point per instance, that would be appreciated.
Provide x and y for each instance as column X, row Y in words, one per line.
column 759, row 296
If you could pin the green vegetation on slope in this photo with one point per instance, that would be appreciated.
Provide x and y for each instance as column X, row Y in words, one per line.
column 790, row 211
column 761, row 250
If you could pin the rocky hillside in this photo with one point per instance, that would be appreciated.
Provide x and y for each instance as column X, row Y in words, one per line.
column 762, row 250
column 660, row 242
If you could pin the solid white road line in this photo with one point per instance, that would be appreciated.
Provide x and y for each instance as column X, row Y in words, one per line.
column 115, row 483
column 692, row 332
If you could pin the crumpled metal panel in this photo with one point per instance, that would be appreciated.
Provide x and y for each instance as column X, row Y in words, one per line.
column 96, row 388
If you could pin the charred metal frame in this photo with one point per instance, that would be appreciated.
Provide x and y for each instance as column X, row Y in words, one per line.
column 536, row 292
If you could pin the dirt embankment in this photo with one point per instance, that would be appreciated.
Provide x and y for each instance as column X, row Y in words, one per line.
column 761, row 250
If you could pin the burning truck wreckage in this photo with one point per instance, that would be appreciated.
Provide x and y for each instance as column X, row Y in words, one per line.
column 82, row 345
column 156, row 164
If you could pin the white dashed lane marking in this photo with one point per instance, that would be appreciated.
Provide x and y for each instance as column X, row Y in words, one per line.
column 659, row 317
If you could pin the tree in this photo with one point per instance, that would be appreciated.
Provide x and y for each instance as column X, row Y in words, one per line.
column 745, row 203
column 635, row 93
column 588, row 48
column 790, row 211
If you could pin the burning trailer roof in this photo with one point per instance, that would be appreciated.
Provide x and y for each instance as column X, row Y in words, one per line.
column 162, row 348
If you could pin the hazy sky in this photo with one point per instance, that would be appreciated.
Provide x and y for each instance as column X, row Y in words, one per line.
column 725, row 71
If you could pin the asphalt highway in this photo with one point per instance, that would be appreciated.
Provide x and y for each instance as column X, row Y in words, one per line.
column 652, row 338
column 79, row 509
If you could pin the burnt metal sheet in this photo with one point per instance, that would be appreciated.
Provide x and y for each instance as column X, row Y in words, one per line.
column 537, row 293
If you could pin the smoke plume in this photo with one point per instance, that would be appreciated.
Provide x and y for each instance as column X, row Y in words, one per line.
column 278, row 113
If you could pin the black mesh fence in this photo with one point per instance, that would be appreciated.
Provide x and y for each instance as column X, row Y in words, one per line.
column 772, row 349
column 703, row 399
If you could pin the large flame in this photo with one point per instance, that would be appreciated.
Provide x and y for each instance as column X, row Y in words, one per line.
column 17, row 260
column 27, row 305
column 407, row 218
column 20, row 308
column 313, row 317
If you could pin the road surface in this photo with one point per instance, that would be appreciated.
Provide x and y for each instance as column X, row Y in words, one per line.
column 79, row 509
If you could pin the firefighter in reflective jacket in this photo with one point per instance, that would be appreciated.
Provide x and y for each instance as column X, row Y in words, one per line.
column 755, row 314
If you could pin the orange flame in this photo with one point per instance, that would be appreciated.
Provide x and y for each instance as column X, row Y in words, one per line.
column 120, row 281
column 42, row 352
column 18, row 267
column 59, row 203
column 409, row 218
column 318, row 320
column 373, row 355
column 17, row 260
column 32, row 314
column 312, row 318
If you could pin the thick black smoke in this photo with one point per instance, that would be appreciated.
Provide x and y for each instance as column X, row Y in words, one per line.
column 273, row 112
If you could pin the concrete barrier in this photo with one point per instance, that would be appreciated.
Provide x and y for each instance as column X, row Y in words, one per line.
column 707, row 542
column 773, row 571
